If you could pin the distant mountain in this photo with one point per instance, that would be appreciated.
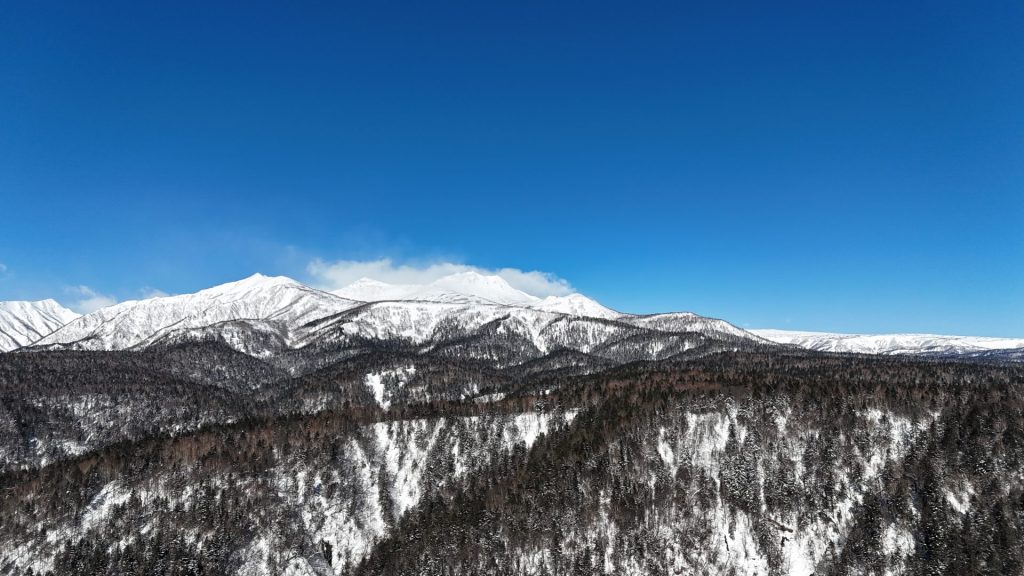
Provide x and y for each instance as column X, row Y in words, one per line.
column 462, row 287
column 473, row 287
column 576, row 305
column 465, row 315
column 918, row 344
column 22, row 323
column 689, row 322
column 470, row 314
column 278, row 304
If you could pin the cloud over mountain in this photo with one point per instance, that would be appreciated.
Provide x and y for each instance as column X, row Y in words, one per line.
column 340, row 273
column 89, row 300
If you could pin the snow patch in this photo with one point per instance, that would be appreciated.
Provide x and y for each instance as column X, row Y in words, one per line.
column 383, row 385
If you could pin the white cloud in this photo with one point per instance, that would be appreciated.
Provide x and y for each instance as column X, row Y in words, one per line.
column 3, row 268
column 90, row 300
column 150, row 292
column 338, row 274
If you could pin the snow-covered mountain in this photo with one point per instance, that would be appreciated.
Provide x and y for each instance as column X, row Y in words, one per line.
column 576, row 305
column 462, row 287
column 687, row 322
column 374, row 431
column 473, row 287
column 502, row 334
column 932, row 344
column 482, row 316
column 460, row 322
column 466, row 315
column 277, row 304
column 22, row 323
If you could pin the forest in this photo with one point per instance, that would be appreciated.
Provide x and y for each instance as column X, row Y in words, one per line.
column 750, row 462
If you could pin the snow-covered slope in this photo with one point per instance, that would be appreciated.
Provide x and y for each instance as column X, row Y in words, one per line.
column 889, row 343
column 687, row 322
column 22, row 323
column 282, row 304
column 509, row 335
column 472, row 314
column 575, row 305
column 420, row 323
column 462, row 287
column 474, row 288
column 466, row 315
column 370, row 290
column 493, row 288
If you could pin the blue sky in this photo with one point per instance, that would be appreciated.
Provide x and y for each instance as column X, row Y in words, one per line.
column 836, row 166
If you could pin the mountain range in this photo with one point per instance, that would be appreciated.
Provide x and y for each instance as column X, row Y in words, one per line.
column 921, row 344
column 264, row 427
column 266, row 316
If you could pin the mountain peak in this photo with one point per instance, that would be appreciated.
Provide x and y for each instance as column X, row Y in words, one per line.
column 489, row 287
column 372, row 290
column 275, row 299
column 889, row 343
column 466, row 286
column 49, row 305
column 576, row 304
column 472, row 277
column 258, row 279
column 364, row 281
column 23, row 322
column 255, row 282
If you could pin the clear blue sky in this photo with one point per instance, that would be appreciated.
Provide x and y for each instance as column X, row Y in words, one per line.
column 822, row 165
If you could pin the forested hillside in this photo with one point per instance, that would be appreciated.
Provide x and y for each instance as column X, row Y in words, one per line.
column 741, row 463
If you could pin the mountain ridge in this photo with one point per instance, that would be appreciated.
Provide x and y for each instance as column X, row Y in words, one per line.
column 467, row 313
column 266, row 316
column 889, row 344
column 137, row 322
column 23, row 322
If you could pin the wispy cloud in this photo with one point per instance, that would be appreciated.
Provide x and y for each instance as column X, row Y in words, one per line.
column 89, row 300
column 3, row 268
column 340, row 273
column 150, row 292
